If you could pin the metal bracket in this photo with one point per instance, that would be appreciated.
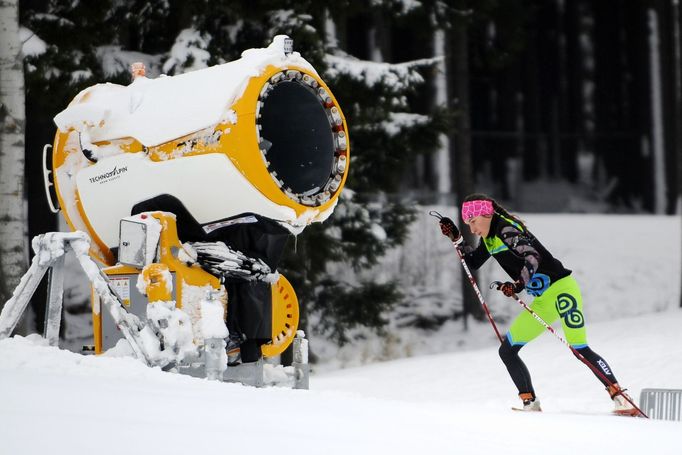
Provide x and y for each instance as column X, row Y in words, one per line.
column 662, row 404
column 48, row 181
column 300, row 363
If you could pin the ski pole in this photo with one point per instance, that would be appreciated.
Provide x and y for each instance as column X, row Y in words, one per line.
column 573, row 350
column 472, row 281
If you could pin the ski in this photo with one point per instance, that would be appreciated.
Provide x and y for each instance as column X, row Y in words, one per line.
column 586, row 413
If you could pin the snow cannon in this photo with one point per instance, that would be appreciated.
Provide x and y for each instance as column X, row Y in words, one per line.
column 227, row 162
column 262, row 134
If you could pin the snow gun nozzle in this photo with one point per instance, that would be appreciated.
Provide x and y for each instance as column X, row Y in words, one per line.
column 435, row 214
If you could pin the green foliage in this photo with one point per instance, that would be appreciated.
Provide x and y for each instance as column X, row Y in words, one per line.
column 386, row 134
column 344, row 307
column 356, row 236
column 69, row 63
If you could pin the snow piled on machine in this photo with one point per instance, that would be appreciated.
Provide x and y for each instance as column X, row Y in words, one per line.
column 155, row 111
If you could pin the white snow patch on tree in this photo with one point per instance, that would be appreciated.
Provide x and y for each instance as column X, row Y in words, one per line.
column 188, row 53
column 287, row 19
column 80, row 75
column 397, row 76
column 31, row 44
column 397, row 122
column 378, row 232
column 114, row 61
column 405, row 6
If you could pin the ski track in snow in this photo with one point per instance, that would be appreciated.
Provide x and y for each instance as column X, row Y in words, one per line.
column 54, row 401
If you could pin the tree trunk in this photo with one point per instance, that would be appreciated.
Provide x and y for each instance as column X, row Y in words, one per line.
column 377, row 43
column 441, row 164
column 677, row 104
column 658, row 133
column 331, row 39
column 585, row 77
column 462, row 159
column 13, row 244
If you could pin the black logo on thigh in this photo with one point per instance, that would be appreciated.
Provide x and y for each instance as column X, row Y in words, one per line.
column 568, row 310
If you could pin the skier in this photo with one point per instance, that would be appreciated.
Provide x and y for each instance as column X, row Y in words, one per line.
column 531, row 267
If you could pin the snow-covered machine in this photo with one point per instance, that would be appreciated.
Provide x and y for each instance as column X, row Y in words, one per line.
column 189, row 186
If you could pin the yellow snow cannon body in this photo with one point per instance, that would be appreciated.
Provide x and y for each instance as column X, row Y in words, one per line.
column 262, row 134
column 137, row 282
column 246, row 153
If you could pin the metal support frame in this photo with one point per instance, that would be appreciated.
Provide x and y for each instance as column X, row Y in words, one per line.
column 53, row 312
column 300, row 363
column 662, row 404
column 246, row 373
column 14, row 308
column 49, row 251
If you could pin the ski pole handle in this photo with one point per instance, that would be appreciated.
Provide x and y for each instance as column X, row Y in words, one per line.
column 435, row 214
column 456, row 243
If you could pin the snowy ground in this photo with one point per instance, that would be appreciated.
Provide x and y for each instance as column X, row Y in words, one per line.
column 452, row 395
column 57, row 402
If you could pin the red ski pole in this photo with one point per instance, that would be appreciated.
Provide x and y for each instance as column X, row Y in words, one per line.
column 472, row 281
column 573, row 350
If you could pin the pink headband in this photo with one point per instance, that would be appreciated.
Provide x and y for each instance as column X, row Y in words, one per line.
column 471, row 209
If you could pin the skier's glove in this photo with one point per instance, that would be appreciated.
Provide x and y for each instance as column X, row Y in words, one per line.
column 448, row 228
column 509, row 289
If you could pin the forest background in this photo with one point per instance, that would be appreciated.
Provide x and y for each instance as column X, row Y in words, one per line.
column 547, row 105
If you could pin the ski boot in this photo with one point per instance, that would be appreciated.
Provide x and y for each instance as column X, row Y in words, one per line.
column 530, row 403
column 622, row 406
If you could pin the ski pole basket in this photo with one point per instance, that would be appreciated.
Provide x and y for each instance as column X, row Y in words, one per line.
column 662, row 404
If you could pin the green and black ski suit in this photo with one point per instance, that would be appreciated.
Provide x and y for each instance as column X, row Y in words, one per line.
column 556, row 295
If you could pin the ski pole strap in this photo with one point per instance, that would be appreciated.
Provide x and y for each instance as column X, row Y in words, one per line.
column 435, row 214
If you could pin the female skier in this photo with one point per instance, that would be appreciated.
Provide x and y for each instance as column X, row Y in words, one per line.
column 531, row 267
